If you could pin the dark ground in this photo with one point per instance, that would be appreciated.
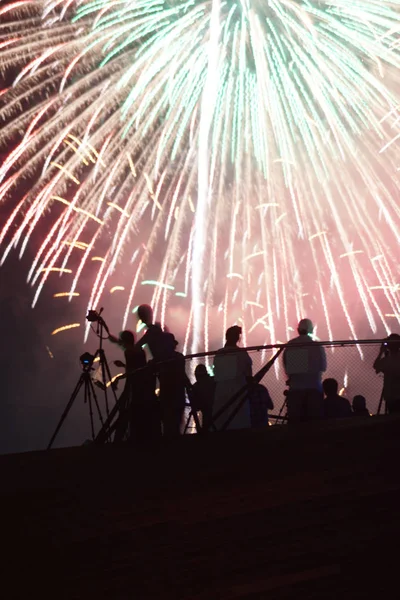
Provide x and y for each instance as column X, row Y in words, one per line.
column 287, row 513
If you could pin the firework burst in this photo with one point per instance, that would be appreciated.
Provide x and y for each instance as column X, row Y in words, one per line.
column 238, row 155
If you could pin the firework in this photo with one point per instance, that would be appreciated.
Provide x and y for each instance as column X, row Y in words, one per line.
column 238, row 157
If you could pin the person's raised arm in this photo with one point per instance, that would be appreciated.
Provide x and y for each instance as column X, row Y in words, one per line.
column 114, row 339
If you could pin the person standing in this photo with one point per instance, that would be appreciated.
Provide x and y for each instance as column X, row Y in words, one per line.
column 155, row 337
column 203, row 393
column 388, row 363
column 137, row 399
column 173, row 382
column 232, row 366
column 304, row 361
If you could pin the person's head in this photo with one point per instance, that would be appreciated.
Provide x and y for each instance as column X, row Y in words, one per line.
column 233, row 334
column 127, row 338
column 359, row 403
column 393, row 343
column 170, row 342
column 330, row 387
column 305, row 327
column 145, row 314
column 200, row 372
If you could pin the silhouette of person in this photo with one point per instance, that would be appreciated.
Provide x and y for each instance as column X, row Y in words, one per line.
column 135, row 399
column 260, row 403
column 335, row 406
column 173, row 381
column 232, row 365
column 169, row 366
column 388, row 363
column 135, row 358
column 304, row 362
column 203, row 393
column 155, row 338
column 360, row 407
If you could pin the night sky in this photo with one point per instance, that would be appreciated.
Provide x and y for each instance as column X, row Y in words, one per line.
column 35, row 387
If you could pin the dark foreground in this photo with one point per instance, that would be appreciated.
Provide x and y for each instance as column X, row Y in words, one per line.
column 303, row 513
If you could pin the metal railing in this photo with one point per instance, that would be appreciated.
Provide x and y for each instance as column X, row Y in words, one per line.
column 350, row 362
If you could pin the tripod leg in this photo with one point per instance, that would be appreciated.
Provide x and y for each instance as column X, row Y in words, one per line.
column 88, row 399
column 108, row 426
column 193, row 413
column 96, row 402
column 187, row 422
column 106, row 376
column 67, row 409
column 280, row 414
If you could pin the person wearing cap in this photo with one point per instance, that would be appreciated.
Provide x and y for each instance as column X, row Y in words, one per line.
column 232, row 367
column 304, row 361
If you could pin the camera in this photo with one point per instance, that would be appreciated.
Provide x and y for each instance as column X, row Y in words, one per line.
column 86, row 361
column 93, row 316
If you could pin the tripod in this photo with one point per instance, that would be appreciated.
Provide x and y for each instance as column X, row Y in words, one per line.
column 282, row 415
column 105, row 369
column 117, row 420
column 192, row 413
column 85, row 380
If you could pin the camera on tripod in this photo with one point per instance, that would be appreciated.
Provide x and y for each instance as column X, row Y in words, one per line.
column 93, row 316
column 88, row 383
column 86, row 361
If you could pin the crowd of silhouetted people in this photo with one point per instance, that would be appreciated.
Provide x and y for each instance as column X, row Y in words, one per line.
column 158, row 394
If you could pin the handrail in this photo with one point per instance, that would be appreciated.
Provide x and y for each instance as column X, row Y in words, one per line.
column 331, row 343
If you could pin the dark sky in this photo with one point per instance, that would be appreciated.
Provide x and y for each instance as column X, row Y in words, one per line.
column 35, row 387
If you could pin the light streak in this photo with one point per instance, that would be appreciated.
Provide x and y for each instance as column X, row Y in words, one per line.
column 65, row 328
column 121, row 210
column 77, row 209
column 352, row 253
column 55, row 270
column 203, row 134
column 67, row 173
column 158, row 284
column 66, row 295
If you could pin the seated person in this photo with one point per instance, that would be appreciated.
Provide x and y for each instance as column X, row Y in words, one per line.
column 260, row 403
column 335, row 406
column 359, row 407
